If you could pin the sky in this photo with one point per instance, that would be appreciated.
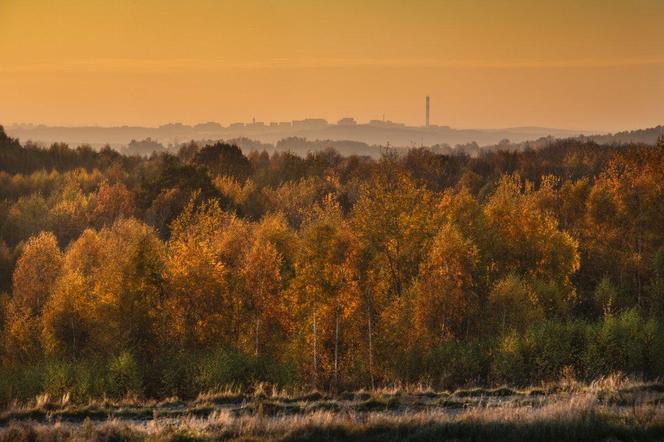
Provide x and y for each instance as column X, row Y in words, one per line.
column 582, row 64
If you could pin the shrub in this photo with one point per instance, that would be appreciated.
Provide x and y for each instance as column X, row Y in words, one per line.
column 124, row 376
column 57, row 379
column 20, row 383
column 626, row 343
column 224, row 367
column 555, row 345
column 456, row 363
column 510, row 360
column 609, row 299
column 540, row 353
column 176, row 372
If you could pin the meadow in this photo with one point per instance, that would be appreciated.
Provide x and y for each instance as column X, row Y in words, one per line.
column 610, row 408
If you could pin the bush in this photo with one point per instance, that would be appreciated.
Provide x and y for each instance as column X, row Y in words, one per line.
column 176, row 372
column 510, row 362
column 124, row 376
column 555, row 345
column 541, row 353
column 58, row 379
column 456, row 363
column 224, row 367
column 626, row 343
column 89, row 381
column 81, row 380
column 20, row 382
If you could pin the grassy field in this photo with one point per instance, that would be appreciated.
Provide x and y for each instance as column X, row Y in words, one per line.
column 610, row 409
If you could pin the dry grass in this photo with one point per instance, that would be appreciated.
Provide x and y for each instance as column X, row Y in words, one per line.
column 611, row 408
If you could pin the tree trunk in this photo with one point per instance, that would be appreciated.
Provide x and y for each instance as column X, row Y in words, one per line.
column 315, row 380
column 336, row 348
column 256, row 334
column 73, row 336
column 639, row 248
column 371, row 376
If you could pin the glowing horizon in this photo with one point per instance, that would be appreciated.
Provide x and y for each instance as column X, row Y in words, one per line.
column 580, row 65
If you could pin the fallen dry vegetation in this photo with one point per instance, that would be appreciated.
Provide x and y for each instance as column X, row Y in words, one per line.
column 611, row 408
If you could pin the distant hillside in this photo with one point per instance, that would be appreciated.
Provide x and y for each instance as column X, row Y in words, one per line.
column 646, row 136
column 376, row 133
column 355, row 139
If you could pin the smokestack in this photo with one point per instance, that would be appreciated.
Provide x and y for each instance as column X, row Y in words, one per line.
column 427, row 119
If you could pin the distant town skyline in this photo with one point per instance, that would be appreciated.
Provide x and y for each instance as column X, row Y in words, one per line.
column 303, row 122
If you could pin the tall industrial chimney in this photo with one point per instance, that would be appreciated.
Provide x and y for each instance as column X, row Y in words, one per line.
column 427, row 120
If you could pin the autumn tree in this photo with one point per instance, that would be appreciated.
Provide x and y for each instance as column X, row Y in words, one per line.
column 445, row 302
column 36, row 271
column 128, row 289
column 524, row 239
column 224, row 160
column 394, row 221
column 261, row 276
column 71, row 318
column 67, row 212
column 513, row 304
column 393, row 217
column 34, row 277
column 26, row 217
column 625, row 225
column 201, row 272
column 321, row 287
column 68, row 321
column 112, row 201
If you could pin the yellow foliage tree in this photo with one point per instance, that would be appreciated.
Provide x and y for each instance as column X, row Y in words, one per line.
column 524, row 239
column 34, row 278
column 261, row 276
column 202, row 259
column 112, row 201
column 128, row 289
column 445, row 301
column 67, row 321
column 36, row 271
column 322, row 287
column 514, row 305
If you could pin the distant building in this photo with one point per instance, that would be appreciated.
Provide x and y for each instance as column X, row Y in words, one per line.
column 388, row 123
column 236, row 125
column 310, row 123
column 210, row 125
column 173, row 126
column 348, row 121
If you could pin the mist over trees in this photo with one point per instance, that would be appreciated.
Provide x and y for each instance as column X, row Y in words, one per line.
column 311, row 135
column 173, row 273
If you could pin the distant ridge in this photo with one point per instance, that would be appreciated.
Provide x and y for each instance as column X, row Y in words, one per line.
column 376, row 133
column 646, row 136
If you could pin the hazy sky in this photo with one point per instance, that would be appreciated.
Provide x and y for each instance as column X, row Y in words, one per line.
column 584, row 64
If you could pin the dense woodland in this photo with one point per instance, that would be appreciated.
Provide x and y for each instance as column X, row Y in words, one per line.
column 178, row 273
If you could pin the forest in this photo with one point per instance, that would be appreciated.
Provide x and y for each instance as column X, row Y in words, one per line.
column 176, row 274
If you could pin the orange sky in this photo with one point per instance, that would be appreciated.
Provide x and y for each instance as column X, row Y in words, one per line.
column 584, row 64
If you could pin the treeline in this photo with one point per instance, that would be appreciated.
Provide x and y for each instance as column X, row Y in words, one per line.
column 177, row 273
